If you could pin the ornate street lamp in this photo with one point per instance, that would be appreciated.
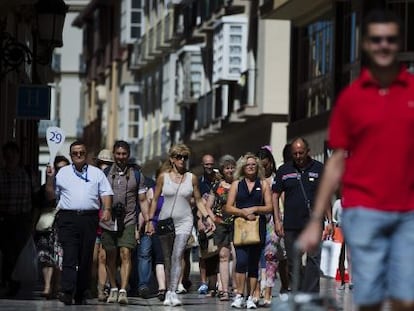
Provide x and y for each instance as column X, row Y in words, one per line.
column 50, row 18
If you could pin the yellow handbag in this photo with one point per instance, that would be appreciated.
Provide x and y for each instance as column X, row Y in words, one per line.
column 246, row 232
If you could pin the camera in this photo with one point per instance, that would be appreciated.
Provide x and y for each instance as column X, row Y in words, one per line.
column 118, row 214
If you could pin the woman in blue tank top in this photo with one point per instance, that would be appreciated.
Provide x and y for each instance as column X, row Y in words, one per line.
column 248, row 197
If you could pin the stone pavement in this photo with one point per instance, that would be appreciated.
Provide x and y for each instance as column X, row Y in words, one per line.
column 192, row 302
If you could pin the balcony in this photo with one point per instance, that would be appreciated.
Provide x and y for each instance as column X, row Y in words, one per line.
column 229, row 48
column 296, row 10
column 189, row 75
column 152, row 40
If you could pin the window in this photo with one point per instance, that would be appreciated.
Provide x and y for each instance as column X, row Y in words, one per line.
column 132, row 18
column 134, row 115
column 405, row 10
column 350, row 23
column 314, row 91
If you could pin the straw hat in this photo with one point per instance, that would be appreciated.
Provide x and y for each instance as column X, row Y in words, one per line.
column 105, row 155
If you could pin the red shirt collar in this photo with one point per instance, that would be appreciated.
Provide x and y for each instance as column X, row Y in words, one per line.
column 367, row 79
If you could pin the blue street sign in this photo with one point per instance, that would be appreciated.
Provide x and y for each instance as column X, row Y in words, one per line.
column 33, row 102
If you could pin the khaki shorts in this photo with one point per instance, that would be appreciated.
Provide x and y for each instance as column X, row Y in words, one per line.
column 112, row 239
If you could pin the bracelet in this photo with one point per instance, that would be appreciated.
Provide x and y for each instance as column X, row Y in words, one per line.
column 107, row 209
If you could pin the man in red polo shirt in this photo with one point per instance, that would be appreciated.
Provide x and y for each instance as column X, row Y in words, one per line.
column 372, row 124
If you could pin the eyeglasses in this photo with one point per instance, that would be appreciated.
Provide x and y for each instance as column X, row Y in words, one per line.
column 181, row 157
column 380, row 39
column 78, row 153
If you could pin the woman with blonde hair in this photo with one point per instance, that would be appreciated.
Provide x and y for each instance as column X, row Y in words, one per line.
column 249, row 196
column 175, row 220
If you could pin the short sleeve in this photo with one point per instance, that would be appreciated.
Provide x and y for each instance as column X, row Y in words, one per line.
column 339, row 125
column 142, row 188
column 277, row 185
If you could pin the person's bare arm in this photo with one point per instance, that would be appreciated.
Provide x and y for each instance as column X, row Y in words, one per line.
column 149, row 228
column 107, row 207
column 230, row 207
column 50, row 183
column 206, row 213
column 277, row 215
column 267, row 208
column 334, row 168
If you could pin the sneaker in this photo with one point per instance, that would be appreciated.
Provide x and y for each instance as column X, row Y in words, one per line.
column 167, row 301
column 174, row 300
column 284, row 296
column 143, row 292
column 250, row 304
column 113, row 295
column 181, row 289
column 238, row 302
column 66, row 298
column 203, row 289
column 350, row 286
column 102, row 296
column 341, row 287
column 161, row 295
column 122, row 297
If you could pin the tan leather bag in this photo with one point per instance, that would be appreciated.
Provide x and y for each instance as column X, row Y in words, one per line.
column 246, row 232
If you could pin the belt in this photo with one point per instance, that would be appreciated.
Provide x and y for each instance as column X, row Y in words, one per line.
column 80, row 212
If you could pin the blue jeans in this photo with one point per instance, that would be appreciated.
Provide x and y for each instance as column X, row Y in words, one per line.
column 144, row 261
column 382, row 254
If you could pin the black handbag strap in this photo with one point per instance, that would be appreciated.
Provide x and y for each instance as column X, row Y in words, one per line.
column 176, row 194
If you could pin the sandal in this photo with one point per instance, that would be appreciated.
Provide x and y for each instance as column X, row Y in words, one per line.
column 212, row 293
column 267, row 303
column 224, row 296
column 161, row 295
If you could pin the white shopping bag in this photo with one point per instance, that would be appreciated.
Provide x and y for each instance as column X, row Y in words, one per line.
column 330, row 258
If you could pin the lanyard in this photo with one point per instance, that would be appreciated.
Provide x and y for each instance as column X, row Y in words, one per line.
column 82, row 175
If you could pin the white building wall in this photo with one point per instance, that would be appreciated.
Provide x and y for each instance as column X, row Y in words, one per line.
column 273, row 66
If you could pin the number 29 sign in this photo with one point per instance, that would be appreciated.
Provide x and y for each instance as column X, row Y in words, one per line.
column 55, row 138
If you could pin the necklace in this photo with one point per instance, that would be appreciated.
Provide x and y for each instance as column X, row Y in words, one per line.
column 177, row 177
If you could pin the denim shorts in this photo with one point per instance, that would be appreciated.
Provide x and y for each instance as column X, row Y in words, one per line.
column 382, row 254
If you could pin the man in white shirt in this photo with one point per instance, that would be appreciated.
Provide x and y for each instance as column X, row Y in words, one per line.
column 80, row 190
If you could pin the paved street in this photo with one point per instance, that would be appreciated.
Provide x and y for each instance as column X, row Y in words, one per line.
column 192, row 301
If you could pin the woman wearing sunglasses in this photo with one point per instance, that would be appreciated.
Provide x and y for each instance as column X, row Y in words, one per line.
column 178, row 187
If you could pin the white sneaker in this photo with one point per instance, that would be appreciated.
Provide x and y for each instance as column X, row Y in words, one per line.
column 284, row 296
column 113, row 295
column 250, row 304
column 167, row 301
column 181, row 289
column 238, row 302
column 174, row 300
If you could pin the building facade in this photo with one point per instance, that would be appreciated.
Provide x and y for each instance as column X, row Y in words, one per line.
column 326, row 56
column 213, row 75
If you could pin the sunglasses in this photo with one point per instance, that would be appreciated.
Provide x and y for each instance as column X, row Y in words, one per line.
column 380, row 39
column 77, row 153
column 181, row 157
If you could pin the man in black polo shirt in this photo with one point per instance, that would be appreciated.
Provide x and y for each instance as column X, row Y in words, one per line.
column 298, row 180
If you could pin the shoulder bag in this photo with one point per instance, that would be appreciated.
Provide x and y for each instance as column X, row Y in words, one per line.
column 46, row 220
